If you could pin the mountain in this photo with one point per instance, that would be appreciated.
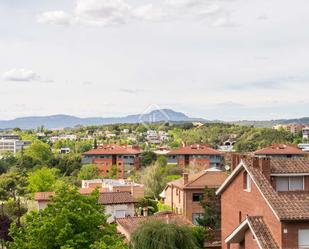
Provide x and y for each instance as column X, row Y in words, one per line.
column 63, row 121
column 271, row 123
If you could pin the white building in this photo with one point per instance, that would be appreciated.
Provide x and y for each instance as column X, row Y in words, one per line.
column 10, row 145
column 306, row 132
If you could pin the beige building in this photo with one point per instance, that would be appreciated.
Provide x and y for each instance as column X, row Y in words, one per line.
column 120, row 185
column 184, row 195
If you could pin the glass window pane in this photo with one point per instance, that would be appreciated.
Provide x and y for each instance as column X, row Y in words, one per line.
column 282, row 183
column 303, row 238
column 296, row 183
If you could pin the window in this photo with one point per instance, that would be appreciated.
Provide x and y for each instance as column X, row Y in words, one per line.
column 197, row 197
column 289, row 183
column 125, row 157
column 120, row 214
column 247, row 181
column 303, row 238
column 196, row 217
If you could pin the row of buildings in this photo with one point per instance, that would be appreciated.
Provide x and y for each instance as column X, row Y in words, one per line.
column 295, row 129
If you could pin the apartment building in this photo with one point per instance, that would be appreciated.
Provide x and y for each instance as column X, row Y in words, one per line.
column 197, row 156
column 120, row 185
column 184, row 195
column 280, row 151
column 126, row 158
column 265, row 204
column 306, row 133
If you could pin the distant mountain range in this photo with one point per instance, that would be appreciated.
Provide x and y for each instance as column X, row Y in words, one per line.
column 160, row 115
column 64, row 121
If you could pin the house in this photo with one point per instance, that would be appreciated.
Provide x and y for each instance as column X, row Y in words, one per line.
column 120, row 185
column 265, row 204
column 184, row 195
column 127, row 226
column 198, row 156
column 280, row 150
column 126, row 158
column 116, row 204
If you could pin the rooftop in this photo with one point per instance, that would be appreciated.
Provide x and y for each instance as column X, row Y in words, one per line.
column 113, row 150
column 280, row 149
column 195, row 149
column 111, row 198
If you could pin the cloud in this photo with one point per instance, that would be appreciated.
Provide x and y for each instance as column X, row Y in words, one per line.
column 131, row 91
column 55, row 17
column 115, row 12
column 20, row 75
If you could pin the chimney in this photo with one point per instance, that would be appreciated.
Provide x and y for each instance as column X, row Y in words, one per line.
column 185, row 178
column 256, row 162
column 265, row 167
column 235, row 160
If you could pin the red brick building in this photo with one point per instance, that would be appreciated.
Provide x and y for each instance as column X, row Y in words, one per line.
column 265, row 204
column 198, row 156
column 126, row 158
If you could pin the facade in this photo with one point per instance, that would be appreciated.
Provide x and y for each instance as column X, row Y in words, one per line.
column 265, row 204
column 126, row 226
column 280, row 151
column 126, row 158
column 116, row 204
column 184, row 195
column 9, row 137
column 197, row 156
column 11, row 145
column 121, row 185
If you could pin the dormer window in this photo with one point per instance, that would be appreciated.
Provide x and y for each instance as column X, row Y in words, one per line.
column 289, row 183
column 246, row 182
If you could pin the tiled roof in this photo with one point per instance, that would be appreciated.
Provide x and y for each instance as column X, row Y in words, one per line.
column 290, row 166
column 262, row 233
column 286, row 205
column 113, row 150
column 130, row 224
column 210, row 178
column 280, row 149
column 43, row 196
column 195, row 150
column 111, row 198
column 85, row 191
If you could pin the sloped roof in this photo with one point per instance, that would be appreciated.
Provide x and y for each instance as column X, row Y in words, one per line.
column 258, row 228
column 111, row 198
column 195, row 150
column 285, row 205
column 43, row 196
column 280, row 149
column 113, row 150
column 290, row 166
column 210, row 178
column 130, row 224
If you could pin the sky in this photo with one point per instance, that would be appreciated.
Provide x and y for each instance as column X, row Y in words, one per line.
column 215, row 59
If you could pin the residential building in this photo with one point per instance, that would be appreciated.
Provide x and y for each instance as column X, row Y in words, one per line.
column 9, row 137
column 127, row 226
column 184, row 195
column 116, row 204
column 71, row 137
column 126, row 158
column 293, row 128
column 64, row 150
column 280, row 150
column 198, row 156
column 265, row 204
column 306, row 133
column 12, row 145
column 121, row 185
column 304, row 147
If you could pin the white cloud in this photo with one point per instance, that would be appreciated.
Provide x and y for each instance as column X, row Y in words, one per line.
column 55, row 17
column 20, row 75
column 113, row 12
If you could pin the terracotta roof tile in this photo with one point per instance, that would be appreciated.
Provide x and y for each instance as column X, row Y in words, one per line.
column 210, row 178
column 287, row 205
column 113, row 150
column 289, row 166
column 280, row 149
column 195, row 150
column 43, row 196
column 262, row 232
column 111, row 198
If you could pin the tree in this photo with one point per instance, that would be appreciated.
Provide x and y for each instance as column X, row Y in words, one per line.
column 160, row 235
column 71, row 221
column 12, row 185
column 42, row 180
column 152, row 179
column 88, row 172
column 113, row 172
column 148, row 158
column 162, row 161
column 211, row 219
column 39, row 151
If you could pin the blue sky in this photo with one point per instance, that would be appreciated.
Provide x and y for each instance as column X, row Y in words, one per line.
column 217, row 59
